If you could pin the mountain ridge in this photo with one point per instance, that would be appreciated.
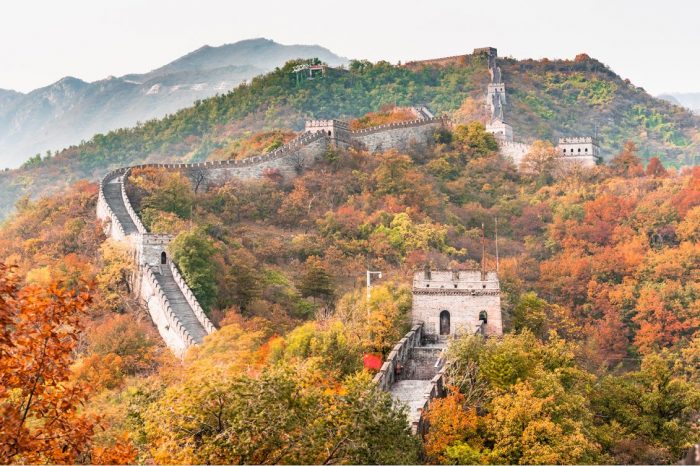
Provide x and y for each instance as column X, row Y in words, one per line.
column 70, row 110
column 546, row 99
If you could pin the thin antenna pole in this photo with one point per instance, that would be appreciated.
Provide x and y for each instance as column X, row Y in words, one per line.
column 483, row 253
column 496, row 245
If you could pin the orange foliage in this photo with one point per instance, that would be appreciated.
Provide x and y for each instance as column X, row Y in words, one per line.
column 122, row 452
column 659, row 324
column 655, row 168
column 38, row 403
column 689, row 196
column 383, row 117
column 450, row 421
column 256, row 144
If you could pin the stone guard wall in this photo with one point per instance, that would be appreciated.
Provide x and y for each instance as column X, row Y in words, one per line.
column 386, row 376
column 192, row 300
column 397, row 135
column 146, row 250
column 289, row 160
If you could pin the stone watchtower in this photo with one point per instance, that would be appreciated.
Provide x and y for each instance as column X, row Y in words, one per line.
column 583, row 150
column 457, row 302
column 336, row 130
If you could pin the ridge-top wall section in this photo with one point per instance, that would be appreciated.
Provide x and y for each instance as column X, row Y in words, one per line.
column 399, row 136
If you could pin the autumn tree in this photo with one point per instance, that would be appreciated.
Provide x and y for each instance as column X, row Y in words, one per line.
column 659, row 324
column 39, row 404
column 243, row 281
column 541, row 163
column 316, row 281
column 452, row 424
column 655, row 168
column 626, row 163
column 647, row 412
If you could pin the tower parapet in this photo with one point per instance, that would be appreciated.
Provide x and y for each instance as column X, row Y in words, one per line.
column 455, row 302
column 334, row 129
column 580, row 149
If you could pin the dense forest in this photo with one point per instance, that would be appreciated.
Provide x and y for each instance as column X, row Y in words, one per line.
column 546, row 99
column 599, row 277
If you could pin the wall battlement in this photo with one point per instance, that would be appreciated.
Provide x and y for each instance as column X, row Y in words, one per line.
column 577, row 140
column 173, row 307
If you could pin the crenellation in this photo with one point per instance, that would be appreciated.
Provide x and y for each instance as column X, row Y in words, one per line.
column 455, row 302
column 151, row 250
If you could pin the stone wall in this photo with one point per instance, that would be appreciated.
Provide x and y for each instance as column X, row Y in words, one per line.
column 515, row 151
column 127, row 203
column 289, row 160
column 421, row 363
column 172, row 331
column 192, row 300
column 146, row 249
column 464, row 295
column 386, row 376
column 398, row 136
column 112, row 227
column 455, row 60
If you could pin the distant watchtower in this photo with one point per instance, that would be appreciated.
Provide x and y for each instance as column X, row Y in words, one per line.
column 334, row 129
column 457, row 302
column 583, row 150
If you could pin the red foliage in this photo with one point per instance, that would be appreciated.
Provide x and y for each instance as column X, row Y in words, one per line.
column 372, row 361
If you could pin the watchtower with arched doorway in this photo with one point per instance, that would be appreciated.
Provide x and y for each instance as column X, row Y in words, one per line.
column 451, row 302
column 152, row 250
column 336, row 130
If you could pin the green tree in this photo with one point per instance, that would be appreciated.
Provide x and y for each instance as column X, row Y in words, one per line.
column 530, row 313
column 243, row 281
column 316, row 281
column 192, row 251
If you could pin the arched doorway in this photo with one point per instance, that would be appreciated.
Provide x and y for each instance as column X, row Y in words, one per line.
column 483, row 315
column 444, row 323
column 163, row 258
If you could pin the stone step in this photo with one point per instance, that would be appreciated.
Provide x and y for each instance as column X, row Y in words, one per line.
column 113, row 195
column 180, row 306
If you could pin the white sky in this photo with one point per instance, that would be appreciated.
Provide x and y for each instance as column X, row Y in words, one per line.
column 654, row 43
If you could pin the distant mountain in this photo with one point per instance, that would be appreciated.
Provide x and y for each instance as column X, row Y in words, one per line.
column 71, row 110
column 689, row 100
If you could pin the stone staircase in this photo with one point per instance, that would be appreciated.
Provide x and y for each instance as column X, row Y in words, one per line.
column 413, row 374
column 182, row 309
column 113, row 195
column 184, row 321
column 415, row 380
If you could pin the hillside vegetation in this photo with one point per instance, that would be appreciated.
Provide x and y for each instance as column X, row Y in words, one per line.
column 546, row 99
column 600, row 297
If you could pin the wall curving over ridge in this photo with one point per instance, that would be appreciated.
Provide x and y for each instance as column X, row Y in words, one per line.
column 173, row 307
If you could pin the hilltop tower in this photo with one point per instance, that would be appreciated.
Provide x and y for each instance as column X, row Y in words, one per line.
column 457, row 302
column 337, row 130
column 583, row 150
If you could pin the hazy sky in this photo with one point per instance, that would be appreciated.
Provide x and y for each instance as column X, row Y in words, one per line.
column 654, row 43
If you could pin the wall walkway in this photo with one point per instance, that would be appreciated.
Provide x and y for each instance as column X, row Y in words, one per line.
column 173, row 307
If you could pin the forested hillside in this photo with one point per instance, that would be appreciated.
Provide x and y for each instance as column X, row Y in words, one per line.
column 546, row 99
column 599, row 287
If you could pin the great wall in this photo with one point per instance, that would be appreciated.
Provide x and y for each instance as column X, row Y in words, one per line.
column 459, row 302
column 173, row 307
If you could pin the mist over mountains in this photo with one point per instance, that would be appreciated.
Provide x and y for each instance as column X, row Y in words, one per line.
column 71, row 110
column 689, row 100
